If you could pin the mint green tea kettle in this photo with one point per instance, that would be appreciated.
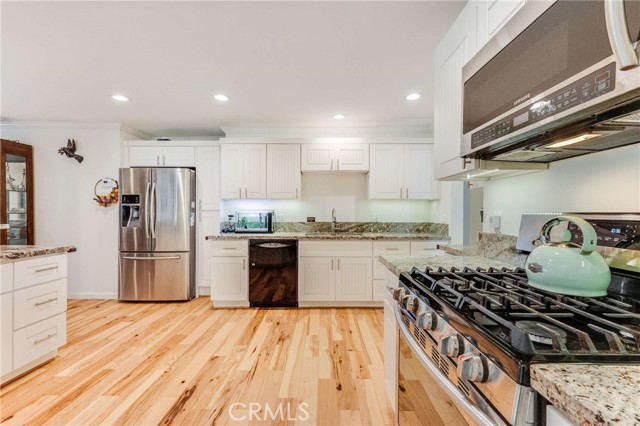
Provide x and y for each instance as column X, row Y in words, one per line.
column 567, row 268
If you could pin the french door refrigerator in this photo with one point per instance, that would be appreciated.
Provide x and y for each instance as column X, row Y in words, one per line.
column 157, row 234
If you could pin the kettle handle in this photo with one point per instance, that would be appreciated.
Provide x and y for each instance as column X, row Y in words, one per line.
column 589, row 236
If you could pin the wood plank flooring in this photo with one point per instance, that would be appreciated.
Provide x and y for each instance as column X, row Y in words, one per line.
column 188, row 364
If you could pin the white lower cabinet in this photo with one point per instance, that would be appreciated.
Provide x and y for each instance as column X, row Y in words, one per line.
column 229, row 273
column 208, row 224
column 330, row 271
column 32, row 312
column 390, row 349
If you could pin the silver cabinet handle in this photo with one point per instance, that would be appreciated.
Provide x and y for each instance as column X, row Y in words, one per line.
column 618, row 32
column 246, row 193
column 228, row 248
column 332, row 164
column 151, row 258
column 338, row 264
column 50, row 268
column 200, row 204
column 37, row 342
column 164, row 161
column 332, row 264
column 400, row 193
column 338, row 164
column 157, row 159
column 45, row 302
column 392, row 248
column 244, row 261
column 239, row 192
column 407, row 193
column 296, row 193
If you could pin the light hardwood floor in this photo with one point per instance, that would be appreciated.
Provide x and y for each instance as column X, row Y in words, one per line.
column 188, row 364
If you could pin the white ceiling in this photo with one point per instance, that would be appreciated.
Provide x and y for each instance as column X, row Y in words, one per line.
column 281, row 63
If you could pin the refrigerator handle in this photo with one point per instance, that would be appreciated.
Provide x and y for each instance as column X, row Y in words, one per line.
column 152, row 225
column 146, row 209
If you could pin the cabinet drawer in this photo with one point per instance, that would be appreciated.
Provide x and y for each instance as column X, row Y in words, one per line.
column 422, row 247
column 6, row 277
column 39, row 270
column 36, row 303
column 335, row 248
column 392, row 248
column 230, row 248
column 39, row 339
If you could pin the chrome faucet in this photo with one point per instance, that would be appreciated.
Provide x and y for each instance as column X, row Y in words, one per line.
column 334, row 225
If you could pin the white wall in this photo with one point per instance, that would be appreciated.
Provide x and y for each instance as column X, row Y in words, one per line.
column 604, row 182
column 65, row 213
column 348, row 194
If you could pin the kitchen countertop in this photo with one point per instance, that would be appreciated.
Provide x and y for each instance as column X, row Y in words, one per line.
column 11, row 253
column 328, row 236
column 399, row 264
column 591, row 394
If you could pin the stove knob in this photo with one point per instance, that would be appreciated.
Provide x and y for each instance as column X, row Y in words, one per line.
column 410, row 303
column 452, row 345
column 427, row 320
column 473, row 368
column 398, row 292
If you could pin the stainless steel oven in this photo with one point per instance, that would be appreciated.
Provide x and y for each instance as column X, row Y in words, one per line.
column 560, row 79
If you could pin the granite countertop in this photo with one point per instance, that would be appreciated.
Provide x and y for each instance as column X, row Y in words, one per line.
column 591, row 394
column 308, row 236
column 11, row 253
column 399, row 264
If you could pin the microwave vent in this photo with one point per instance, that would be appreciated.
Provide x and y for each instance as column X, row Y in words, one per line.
column 630, row 119
column 521, row 155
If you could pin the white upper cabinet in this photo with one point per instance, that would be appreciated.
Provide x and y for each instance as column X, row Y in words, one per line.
column 283, row 171
column 208, row 177
column 335, row 157
column 243, row 171
column 168, row 156
column 402, row 171
column 456, row 48
column 492, row 15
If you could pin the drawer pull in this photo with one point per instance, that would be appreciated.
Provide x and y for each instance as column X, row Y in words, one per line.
column 37, row 342
column 229, row 248
column 45, row 302
column 392, row 249
column 50, row 268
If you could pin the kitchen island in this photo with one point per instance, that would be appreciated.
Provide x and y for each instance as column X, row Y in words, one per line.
column 33, row 294
column 584, row 394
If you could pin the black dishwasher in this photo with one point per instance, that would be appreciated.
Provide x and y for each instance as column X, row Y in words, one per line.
column 273, row 273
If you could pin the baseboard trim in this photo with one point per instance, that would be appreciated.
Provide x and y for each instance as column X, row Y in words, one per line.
column 92, row 296
column 341, row 304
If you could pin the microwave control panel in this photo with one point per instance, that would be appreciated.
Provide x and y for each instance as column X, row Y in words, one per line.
column 587, row 88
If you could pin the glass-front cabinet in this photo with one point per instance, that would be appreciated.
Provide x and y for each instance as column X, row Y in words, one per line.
column 16, row 193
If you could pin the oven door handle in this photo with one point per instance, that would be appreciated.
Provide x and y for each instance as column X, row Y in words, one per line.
column 462, row 402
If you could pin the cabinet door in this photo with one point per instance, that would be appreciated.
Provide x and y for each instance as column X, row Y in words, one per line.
column 208, row 224
column 492, row 15
column 229, row 279
column 144, row 156
column 316, row 279
column 351, row 157
column 231, row 171
column 6, row 333
column 283, row 171
column 385, row 176
column 178, row 156
column 316, row 158
column 418, row 172
column 208, row 177
column 354, row 279
column 255, row 171
column 455, row 49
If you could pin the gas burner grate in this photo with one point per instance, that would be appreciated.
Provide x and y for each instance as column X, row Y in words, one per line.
column 496, row 300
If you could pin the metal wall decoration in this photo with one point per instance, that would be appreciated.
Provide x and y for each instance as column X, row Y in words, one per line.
column 70, row 150
column 106, row 190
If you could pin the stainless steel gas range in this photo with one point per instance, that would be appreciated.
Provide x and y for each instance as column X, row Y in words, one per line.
column 470, row 336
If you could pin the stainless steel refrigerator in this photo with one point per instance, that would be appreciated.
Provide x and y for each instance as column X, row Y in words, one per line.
column 157, row 234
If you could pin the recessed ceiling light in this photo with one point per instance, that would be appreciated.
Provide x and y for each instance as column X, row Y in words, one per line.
column 338, row 116
column 221, row 97
column 120, row 98
column 413, row 96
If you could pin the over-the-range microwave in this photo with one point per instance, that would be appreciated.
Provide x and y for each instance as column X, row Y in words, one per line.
column 560, row 79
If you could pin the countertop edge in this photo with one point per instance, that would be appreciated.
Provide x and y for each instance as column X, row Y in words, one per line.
column 337, row 237
column 570, row 387
column 26, row 252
